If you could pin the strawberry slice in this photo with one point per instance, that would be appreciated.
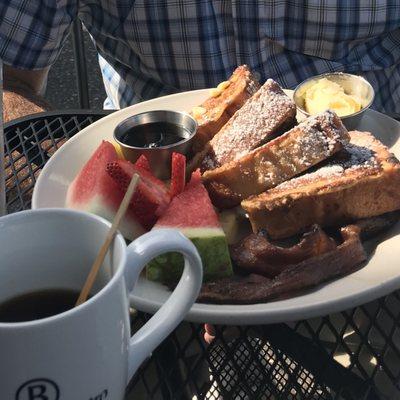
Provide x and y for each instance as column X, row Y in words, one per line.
column 151, row 196
column 143, row 162
column 178, row 170
column 195, row 179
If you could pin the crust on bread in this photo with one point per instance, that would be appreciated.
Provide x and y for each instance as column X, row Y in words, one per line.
column 362, row 180
column 284, row 157
column 218, row 110
column 265, row 115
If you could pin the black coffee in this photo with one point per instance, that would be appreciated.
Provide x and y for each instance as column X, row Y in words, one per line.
column 37, row 305
column 154, row 134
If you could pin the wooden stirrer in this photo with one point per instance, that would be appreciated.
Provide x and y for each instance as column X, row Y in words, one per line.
column 110, row 236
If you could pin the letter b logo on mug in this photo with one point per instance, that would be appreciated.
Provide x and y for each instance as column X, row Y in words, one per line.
column 38, row 389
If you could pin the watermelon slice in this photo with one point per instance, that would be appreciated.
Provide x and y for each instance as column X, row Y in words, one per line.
column 178, row 171
column 151, row 196
column 143, row 162
column 93, row 190
column 193, row 214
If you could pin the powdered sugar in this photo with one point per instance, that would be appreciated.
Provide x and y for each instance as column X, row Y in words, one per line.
column 258, row 119
column 331, row 126
column 314, row 142
column 359, row 157
column 318, row 137
column 352, row 157
column 251, row 86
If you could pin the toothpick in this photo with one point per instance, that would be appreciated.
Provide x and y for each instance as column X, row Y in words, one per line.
column 110, row 236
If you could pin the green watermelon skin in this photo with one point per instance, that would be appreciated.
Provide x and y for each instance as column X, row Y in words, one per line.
column 214, row 253
column 193, row 214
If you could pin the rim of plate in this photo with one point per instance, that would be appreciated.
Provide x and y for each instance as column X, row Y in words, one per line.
column 270, row 312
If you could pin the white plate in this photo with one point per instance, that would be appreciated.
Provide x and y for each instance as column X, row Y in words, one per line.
column 380, row 276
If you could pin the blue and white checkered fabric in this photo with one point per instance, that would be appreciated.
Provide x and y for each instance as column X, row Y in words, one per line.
column 150, row 48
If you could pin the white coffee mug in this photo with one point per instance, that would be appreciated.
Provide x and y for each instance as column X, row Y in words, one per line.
column 85, row 353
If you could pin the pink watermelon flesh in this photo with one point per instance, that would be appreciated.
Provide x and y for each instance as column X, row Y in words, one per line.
column 193, row 214
column 151, row 195
column 178, row 171
column 192, row 208
column 143, row 162
column 93, row 190
column 92, row 177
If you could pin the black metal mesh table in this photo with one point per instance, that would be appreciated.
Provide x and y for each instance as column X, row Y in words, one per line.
column 354, row 354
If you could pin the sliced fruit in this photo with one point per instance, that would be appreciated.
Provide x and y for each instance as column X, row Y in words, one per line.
column 178, row 171
column 151, row 196
column 143, row 162
column 193, row 214
column 229, row 223
column 93, row 190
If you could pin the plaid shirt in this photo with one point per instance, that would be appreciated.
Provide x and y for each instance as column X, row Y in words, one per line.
column 149, row 48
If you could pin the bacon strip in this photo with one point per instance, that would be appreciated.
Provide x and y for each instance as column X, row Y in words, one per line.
column 303, row 275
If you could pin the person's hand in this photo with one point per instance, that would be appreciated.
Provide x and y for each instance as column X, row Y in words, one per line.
column 209, row 334
column 226, row 333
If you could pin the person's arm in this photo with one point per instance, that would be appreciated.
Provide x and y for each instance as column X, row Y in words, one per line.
column 23, row 91
column 31, row 35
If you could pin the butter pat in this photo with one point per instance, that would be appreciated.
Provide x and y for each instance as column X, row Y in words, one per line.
column 325, row 94
column 118, row 150
column 223, row 85
column 215, row 92
column 197, row 112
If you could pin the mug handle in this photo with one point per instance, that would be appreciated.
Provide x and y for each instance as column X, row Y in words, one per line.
column 167, row 318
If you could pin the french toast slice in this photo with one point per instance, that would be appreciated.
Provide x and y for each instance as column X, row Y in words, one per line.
column 305, row 145
column 265, row 115
column 215, row 112
column 362, row 180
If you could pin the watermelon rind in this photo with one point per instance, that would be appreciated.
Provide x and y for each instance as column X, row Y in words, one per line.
column 212, row 247
column 94, row 191
column 129, row 227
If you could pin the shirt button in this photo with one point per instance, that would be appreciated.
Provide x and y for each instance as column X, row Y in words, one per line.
column 257, row 75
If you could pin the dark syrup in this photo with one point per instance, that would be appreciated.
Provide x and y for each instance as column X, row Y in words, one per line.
column 155, row 134
column 37, row 305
